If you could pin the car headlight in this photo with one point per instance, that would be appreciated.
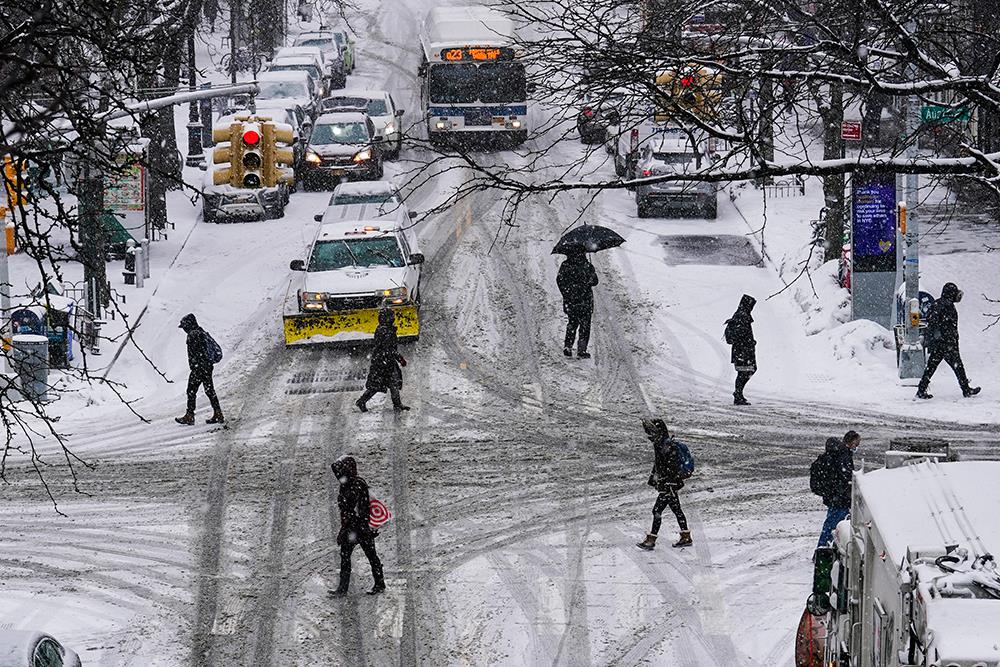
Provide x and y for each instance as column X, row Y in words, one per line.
column 363, row 155
column 390, row 129
column 312, row 156
column 395, row 295
column 313, row 300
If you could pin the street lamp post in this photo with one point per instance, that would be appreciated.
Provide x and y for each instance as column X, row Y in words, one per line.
column 195, row 156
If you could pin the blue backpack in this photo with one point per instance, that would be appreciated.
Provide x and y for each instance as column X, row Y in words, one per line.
column 212, row 349
column 686, row 460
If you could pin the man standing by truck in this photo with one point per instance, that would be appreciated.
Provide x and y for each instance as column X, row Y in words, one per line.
column 830, row 478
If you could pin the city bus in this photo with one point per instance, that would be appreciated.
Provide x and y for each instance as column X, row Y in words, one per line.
column 471, row 81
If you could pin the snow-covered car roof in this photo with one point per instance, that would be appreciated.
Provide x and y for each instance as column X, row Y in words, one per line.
column 342, row 117
column 294, row 60
column 915, row 505
column 364, row 94
column 344, row 220
column 307, row 51
column 365, row 188
column 335, row 231
column 293, row 75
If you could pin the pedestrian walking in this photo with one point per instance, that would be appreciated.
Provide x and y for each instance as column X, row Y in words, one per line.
column 942, row 341
column 385, row 374
column 667, row 478
column 830, row 478
column 739, row 334
column 354, row 504
column 576, row 280
column 203, row 353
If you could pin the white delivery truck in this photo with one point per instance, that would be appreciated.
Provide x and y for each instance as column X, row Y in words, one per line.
column 912, row 580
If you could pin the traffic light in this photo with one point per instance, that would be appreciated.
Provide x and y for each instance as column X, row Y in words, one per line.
column 14, row 185
column 228, row 151
column 694, row 88
column 253, row 157
column 275, row 155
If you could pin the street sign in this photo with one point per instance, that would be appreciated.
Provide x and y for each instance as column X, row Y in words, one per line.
column 940, row 113
column 850, row 130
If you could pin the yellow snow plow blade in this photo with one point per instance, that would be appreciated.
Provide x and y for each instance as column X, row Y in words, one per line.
column 345, row 325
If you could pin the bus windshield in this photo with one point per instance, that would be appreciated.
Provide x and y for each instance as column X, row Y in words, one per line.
column 467, row 82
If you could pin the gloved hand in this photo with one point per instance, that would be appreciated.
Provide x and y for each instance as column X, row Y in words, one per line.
column 402, row 361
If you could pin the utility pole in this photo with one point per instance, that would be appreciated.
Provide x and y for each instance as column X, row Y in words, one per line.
column 912, row 360
column 93, row 244
column 195, row 156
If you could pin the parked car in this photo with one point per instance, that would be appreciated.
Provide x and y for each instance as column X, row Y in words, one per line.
column 286, row 90
column 333, row 43
column 29, row 648
column 380, row 107
column 307, row 65
column 342, row 145
column 596, row 116
column 674, row 152
column 327, row 43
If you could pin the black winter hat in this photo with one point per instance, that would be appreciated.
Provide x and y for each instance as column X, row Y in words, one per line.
column 951, row 292
column 188, row 322
column 655, row 427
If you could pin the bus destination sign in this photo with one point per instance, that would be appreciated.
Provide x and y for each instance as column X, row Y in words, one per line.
column 477, row 53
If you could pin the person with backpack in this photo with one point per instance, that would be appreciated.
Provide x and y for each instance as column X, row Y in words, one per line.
column 576, row 280
column 203, row 353
column 354, row 504
column 830, row 478
column 672, row 464
column 739, row 334
column 942, row 341
column 385, row 372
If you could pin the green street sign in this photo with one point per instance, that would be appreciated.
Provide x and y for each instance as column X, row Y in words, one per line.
column 938, row 113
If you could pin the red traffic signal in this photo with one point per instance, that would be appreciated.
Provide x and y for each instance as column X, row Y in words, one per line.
column 687, row 81
column 251, row 137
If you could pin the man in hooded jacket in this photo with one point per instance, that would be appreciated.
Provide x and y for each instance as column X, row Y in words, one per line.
column 942, row 341
column 667, row 479
column 739, row 334
column 354, row 504
column 831, row 475
column 201, row 368
column 576, row 280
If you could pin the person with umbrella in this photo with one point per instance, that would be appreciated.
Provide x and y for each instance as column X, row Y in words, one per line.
column 577, row 279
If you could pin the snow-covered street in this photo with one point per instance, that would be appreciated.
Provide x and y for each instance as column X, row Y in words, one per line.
column 517, row 482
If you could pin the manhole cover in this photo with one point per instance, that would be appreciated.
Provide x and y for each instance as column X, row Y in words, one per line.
column 722, row 250
column 324, row 382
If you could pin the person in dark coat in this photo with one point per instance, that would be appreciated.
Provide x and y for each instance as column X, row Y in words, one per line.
column 942, row 341
column 739, row 334
column 576, row 280
column 201, row 368
column 667, row 479
column 831, row 474
column 385, row 372
column 354, row 504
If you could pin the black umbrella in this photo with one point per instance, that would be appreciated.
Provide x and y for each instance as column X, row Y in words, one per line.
column 587, row 238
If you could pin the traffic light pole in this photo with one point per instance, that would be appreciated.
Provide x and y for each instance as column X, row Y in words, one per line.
column 195, row 156
column 912, row 360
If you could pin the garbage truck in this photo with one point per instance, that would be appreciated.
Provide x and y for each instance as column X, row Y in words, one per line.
column 910, row 579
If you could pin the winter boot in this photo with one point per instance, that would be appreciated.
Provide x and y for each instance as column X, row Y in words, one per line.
column 739, row 399
column 400, row 407
column 582, row 354
column 216, row 418
column 923, row 394
column 567, row 352
column 649, row 543
column 971, row 391
column 685, row 540
column 361, row 405
column 379, row 588
column 187, row 419
column 338, row 592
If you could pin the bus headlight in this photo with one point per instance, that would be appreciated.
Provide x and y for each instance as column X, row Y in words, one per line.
column 514, row 124
column 442, row 124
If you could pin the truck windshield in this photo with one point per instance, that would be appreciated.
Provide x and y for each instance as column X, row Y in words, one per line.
column 366, row 252
column 339, row 133
column 363, row 198
column 490, row 82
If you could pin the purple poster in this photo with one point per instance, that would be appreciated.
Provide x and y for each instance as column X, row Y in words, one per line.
column 873, row 209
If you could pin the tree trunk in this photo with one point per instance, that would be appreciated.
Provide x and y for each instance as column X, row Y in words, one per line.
column 833, row 185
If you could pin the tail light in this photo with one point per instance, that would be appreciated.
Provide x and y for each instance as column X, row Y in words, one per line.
column 588, row 112
column 647, row 172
